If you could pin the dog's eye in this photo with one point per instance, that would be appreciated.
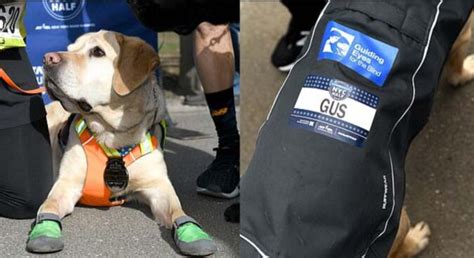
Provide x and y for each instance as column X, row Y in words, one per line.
column 97, row 52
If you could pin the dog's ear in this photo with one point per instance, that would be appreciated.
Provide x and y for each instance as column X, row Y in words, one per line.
column 136, row 61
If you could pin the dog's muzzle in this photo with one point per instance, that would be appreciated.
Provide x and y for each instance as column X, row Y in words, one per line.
column 55, row 93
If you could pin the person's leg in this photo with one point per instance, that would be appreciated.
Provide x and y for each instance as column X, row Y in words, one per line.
column 214, row 56
column 303, row 17
column 214, row 60
column 25, row 153
column 27, row 174
column 304, row 12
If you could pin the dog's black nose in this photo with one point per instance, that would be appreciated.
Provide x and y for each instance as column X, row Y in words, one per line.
column 51, row 59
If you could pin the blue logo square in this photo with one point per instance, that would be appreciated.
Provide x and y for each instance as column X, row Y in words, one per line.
column 367, row 56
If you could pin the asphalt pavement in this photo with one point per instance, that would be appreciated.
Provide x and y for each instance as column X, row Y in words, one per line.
column 440, row 178
column 129, row 231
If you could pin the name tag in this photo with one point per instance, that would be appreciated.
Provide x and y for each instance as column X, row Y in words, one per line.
column 365, row 55
column 335, row 109
column 10, row 22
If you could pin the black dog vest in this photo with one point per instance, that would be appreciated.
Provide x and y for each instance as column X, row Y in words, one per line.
column 332, row 185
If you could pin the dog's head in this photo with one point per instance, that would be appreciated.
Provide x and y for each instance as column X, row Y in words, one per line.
column 97, row 70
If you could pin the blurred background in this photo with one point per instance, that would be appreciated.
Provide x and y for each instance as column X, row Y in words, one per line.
column 440, row 163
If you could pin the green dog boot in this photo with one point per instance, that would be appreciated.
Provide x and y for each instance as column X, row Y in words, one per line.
column 45, row 237
column 191, row 239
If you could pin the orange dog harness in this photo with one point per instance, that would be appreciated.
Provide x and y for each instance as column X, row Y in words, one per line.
column 95, row 191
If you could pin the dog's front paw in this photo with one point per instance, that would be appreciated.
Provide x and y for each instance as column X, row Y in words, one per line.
column 419, row 236
column 468, row 66
column 191, row 239
column 45, row 237
column 464, row 75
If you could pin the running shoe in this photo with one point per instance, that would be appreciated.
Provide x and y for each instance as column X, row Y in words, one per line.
column 221, row 178
column 288, row 48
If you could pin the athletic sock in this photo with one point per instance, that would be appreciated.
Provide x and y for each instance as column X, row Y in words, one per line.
column 222, row 107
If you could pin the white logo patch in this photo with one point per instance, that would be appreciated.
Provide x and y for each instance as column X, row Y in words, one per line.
column 339, row 90
column 338, row 43
column 63, row 10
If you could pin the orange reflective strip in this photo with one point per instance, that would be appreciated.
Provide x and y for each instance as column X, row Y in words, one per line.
column 154, row 141
column 132, row 156
column 13, row 85
column 136, row 153
column 85, row 138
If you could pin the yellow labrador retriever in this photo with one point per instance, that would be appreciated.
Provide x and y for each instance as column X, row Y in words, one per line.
column 112, row 104
column 458, row 70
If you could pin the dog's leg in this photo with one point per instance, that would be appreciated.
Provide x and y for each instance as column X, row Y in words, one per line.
column 468, row 69
column 409, row 241
column 68, row 188
column 45, row 237
column 63, row 197
column 403, row 228
column 459, row 68
column 417, row 239
column 149, row 179
column 163, row 202
column 189, row 237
